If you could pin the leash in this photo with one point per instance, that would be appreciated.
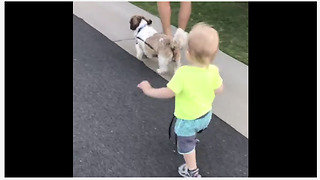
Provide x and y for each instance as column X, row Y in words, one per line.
column 171, row 125
column 173, row 54
column 144, row 42
column 141, row 28
column 142, row 39
column 173, row 118
column 175, row 137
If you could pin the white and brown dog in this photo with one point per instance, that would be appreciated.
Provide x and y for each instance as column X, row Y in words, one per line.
column 153, row 44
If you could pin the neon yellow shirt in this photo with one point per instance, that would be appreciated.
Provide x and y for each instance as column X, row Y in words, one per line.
column 194, row 90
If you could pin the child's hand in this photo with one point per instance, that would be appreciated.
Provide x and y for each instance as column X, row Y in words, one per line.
column 144, row 86
column 160, row 93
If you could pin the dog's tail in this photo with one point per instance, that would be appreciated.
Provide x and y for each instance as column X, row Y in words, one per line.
column 180, row 39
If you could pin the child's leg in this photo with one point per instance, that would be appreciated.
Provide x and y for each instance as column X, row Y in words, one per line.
column 190, row 160
column 186, row 147
column 186, row 143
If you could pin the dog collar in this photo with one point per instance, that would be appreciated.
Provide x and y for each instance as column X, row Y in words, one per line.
column 141, row 28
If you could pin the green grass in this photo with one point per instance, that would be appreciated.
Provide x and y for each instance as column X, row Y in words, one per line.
column 230, row 19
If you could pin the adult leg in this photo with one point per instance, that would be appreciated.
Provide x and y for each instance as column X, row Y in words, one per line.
column 164, row 10
column 184, row 14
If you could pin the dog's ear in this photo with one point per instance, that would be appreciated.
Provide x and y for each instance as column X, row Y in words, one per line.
column 148, row 21
column 134, row 22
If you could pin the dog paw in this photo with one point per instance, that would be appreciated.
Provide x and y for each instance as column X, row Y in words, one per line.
column 149, row 56
column 160, row 71
column 139, row 57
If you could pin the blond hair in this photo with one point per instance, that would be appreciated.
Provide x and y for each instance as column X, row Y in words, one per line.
column 203, row 43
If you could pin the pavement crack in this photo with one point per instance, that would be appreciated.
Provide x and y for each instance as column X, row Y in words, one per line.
column 124, row 40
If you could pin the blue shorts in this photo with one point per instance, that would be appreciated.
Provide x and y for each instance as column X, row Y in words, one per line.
column 186, row 131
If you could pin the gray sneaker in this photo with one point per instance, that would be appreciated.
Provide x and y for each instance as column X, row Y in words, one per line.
column 184, row 172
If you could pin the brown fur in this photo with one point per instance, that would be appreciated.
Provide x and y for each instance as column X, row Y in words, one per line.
column 135, row 21
column 163, row 47
column 163, row 44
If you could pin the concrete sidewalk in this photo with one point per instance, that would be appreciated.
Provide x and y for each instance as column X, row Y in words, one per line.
column 112, row 20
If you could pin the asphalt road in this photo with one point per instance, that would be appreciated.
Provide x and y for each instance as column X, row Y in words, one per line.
column 119, row 132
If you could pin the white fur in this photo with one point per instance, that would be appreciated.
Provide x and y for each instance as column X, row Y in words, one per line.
column 144, row 33
column 181, row 36
column 163, row 64
column 139, row 52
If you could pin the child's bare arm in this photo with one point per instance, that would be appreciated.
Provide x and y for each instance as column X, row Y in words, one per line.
column 160, row 93
column 219, row 90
